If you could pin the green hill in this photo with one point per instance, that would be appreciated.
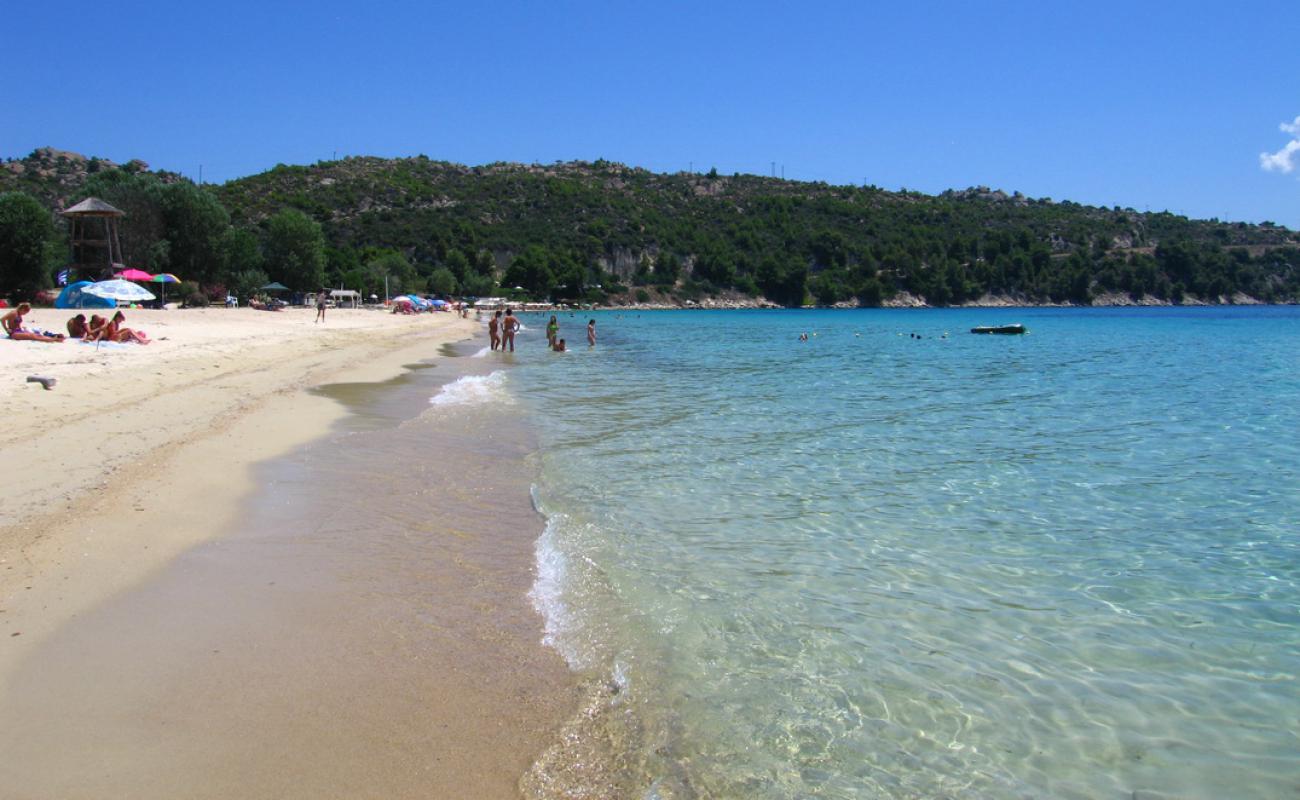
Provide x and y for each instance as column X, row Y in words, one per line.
column 607, row 232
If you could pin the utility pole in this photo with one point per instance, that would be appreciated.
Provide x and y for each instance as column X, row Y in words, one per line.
column 200, row 174
column 773, row 169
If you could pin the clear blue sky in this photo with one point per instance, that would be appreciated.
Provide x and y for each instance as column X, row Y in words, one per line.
column 1151, row 105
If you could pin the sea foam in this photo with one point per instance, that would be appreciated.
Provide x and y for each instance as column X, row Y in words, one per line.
column 473, row 389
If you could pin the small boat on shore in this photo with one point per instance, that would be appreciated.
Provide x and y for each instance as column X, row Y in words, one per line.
column 1004, row 329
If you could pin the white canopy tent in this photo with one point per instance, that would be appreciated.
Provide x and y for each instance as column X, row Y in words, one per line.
column 350, row 296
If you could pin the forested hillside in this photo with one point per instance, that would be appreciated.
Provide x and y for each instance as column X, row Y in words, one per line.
column 604, row 232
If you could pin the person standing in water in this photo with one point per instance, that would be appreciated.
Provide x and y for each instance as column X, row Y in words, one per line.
column 591, row 333
column 508, row 327
column 552, row 332
column 494, row 330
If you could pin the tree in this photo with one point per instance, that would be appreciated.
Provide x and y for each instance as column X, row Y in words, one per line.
column 782, row 281
column 390, row 270
column 25, row 231
column 239, row 253
column 442, row 281
column 196, row 222
column 458, row 265
column 294, row 248
column 140, row 197
column 531, row 270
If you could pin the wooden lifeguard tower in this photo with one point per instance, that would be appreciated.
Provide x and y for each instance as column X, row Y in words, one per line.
column 96, row 250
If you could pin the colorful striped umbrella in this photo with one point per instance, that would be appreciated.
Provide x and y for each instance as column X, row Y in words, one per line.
column 164, row 278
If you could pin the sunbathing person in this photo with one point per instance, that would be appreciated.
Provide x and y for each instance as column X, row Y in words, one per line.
column 13, row 325
column 114, row 332
column 94, row 329
column 77, row 327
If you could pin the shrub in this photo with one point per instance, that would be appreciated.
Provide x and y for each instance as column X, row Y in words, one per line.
column 196, row 300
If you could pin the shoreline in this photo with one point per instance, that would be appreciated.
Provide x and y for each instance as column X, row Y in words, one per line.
column 114, row 496
column 124, row 432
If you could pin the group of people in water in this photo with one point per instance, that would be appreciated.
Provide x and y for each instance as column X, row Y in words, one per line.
column 502, row 330
column 96, row 329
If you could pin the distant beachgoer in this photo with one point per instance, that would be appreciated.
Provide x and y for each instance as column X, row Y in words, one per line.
column 509, row 325
column 552, row 331
column 320, row 306
column 494, row 330
column 77, row 326
column 591, row 333
column 13, row 325
column 558, row 346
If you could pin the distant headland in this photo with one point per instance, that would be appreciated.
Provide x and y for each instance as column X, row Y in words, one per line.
column 604, row 233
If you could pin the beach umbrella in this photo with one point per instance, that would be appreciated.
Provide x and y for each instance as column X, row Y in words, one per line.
column 164, row 278
column 133, row 275
column 119, row 290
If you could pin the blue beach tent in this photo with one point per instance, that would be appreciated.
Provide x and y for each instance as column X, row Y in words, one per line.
column 72, row 296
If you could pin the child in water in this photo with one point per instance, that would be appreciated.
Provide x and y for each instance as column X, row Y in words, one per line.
column 591, row 333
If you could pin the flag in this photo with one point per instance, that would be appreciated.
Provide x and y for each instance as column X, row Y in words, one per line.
column 63, row 277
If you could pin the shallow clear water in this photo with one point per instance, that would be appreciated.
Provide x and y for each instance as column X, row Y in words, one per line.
column 871, row 565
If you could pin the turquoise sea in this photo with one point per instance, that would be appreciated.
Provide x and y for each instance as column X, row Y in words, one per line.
column 1065, row 564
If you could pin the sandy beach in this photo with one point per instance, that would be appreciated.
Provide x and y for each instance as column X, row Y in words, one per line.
column 118, row 478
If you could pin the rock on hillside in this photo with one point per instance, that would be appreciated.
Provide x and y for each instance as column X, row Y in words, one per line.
column 54, row 176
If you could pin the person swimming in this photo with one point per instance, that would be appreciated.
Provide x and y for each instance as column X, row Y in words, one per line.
column 558, row 346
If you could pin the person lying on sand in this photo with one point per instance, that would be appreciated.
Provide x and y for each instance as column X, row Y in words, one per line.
column 13, row 325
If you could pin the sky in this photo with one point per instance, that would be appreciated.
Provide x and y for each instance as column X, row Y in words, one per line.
column 1190, row 107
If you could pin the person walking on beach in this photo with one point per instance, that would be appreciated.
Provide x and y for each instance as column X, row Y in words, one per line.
column 508, row 327
column 320, row 306
column 552, row 332
column 494, row 330
column 591, row 333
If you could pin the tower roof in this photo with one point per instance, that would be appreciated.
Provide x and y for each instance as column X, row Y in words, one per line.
column 92, row 207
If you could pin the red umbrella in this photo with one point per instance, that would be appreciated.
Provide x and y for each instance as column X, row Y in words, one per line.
column 134, row 275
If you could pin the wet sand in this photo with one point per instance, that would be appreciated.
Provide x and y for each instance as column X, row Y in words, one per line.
column 361, row 629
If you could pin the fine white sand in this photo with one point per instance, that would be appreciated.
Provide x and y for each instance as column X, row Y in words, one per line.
column 153, row 441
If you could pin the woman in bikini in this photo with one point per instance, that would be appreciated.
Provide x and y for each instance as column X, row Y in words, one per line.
column 552, row 331
column 13, row 325
column 114, row 332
